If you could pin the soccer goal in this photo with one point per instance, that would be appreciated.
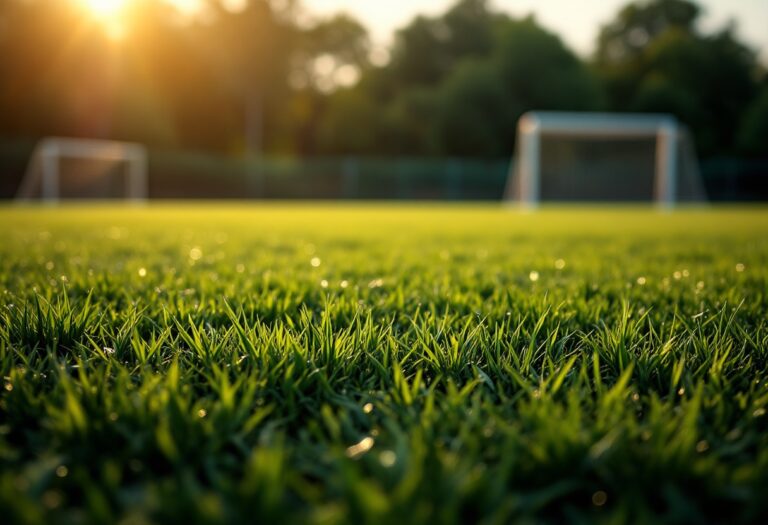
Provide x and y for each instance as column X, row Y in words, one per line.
column 593, row 157
column 65, row 168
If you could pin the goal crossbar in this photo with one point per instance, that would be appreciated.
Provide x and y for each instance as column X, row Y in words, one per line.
column 533, row 125
column 49, row 152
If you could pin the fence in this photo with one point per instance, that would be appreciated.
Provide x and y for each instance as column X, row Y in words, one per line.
column 328, row 178
column 205, row 176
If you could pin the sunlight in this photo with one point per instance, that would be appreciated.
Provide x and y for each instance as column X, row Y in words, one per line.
column 186, row 7
column 106, row 9
column 110, row 14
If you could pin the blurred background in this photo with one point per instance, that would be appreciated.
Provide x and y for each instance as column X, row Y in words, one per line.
column 331, row 99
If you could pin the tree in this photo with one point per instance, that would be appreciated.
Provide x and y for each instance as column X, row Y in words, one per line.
column 712, row 79
column 217, row 81
column 427, row 49
column 347, row 125
column 250, row 49
column 637, row 24
column 753, row 135
column 41, row 52
column 331, row 55
column 457, row 85
column 529, row 69
column 705, row 80
column 399, row 100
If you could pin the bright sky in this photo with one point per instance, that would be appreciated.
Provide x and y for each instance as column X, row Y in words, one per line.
column 576, row 21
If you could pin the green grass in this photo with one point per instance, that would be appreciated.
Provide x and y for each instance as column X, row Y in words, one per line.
column 377, row 364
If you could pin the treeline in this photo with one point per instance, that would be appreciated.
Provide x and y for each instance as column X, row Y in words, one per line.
column 265, row 80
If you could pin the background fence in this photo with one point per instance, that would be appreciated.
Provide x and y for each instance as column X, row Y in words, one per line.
column 188, row 175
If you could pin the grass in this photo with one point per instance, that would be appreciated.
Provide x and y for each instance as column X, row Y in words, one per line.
column 284, row 363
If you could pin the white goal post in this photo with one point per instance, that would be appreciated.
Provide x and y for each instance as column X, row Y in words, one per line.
column 43, row 176
column 525, row 181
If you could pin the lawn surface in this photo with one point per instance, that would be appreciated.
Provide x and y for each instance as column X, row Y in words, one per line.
column 309, row 363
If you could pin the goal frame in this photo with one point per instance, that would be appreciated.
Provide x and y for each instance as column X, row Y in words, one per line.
column 525, row 178
column 46, row 157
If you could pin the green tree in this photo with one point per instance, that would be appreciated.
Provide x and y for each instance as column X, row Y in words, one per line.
column 331, row 55
column 249, row 51
column 530, row 68
column 651, row 58
column 753, row 134
column 637, row 24
column 427, row 49
column 457, row 84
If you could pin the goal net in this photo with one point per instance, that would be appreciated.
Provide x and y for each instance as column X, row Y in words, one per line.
column 593, row 157
column 64, row 168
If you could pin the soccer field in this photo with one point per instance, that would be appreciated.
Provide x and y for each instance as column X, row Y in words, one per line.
column 384, row 363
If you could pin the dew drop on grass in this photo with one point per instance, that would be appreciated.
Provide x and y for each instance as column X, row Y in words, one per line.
column 324, row 283
column 142, row 272
column 344, row 284
column 195, row 253
column 315, row 262
column 560, row 264
column 387, row 458
column 641, row 281
column 740, row 267
column 533, row 276
column 359, row 449
column 599, row 498
column 368, row 408
column 62, row 471
column 202, row 413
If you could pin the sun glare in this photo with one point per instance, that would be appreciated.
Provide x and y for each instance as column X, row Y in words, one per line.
column 110, row 14
column 107, row 9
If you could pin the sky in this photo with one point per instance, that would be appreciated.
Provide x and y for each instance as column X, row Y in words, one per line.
column 576, row 21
